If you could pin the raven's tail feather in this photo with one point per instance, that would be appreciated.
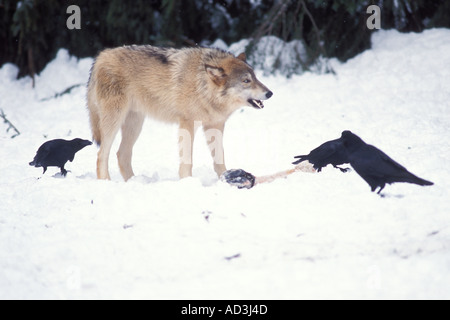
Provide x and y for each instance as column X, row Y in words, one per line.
column 423, row 182
column 416, row 180
column 300, row 159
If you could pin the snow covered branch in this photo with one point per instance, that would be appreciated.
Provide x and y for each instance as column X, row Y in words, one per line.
column 66, row 91
column 10, row 125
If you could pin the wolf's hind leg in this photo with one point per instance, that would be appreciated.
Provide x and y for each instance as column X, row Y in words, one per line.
column 131, row 130
column 111, row 120
column 103, row 156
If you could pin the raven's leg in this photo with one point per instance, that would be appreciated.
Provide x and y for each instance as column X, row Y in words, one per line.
column 45, row 169
column 63, row 171
column 381, row 188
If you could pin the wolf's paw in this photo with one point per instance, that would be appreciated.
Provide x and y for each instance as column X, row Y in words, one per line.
column 238, row 178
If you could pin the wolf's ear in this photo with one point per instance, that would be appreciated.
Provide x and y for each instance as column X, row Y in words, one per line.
column 217, row 74
column 242, row 56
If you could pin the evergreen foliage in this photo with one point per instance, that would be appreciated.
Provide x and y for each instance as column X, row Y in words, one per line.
column 31, row 31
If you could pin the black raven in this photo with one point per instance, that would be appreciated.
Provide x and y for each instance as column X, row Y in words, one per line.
column 55, row 153
column 374, row 166
column 331, row 152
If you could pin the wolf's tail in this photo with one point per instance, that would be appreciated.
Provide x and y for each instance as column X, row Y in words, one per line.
column 95, row 126
column 93, row 114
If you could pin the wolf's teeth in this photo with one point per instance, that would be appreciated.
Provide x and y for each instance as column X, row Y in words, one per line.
column 256, row 103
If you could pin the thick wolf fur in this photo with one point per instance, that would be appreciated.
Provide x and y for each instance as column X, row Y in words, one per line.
column 188, row 86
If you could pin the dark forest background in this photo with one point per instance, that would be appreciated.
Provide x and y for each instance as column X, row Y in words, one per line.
column 31, row 31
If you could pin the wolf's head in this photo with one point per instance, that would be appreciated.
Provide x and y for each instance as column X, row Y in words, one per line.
column 237, row 81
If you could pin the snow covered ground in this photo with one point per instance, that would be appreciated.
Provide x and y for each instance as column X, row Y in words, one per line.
column 312, row 235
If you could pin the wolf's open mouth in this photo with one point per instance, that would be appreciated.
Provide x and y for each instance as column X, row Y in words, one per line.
column 258, row 104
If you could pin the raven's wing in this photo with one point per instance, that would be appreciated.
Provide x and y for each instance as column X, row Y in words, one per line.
column 375, row 166
column 379, row 162
column 330, row 152
column 56, row 153
column 375, row 162
column 398, row 173
column 42, row 154
column 314, row 154
column 67, row 153
column 367, row 164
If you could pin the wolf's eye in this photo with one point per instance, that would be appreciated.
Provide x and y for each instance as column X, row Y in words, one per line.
column 246, row 81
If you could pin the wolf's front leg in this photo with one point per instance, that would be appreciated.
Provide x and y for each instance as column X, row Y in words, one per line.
column 186, row 135
column 214, row 139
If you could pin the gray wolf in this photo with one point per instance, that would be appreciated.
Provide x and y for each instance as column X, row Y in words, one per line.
column 189, row 86
column 55, row 153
